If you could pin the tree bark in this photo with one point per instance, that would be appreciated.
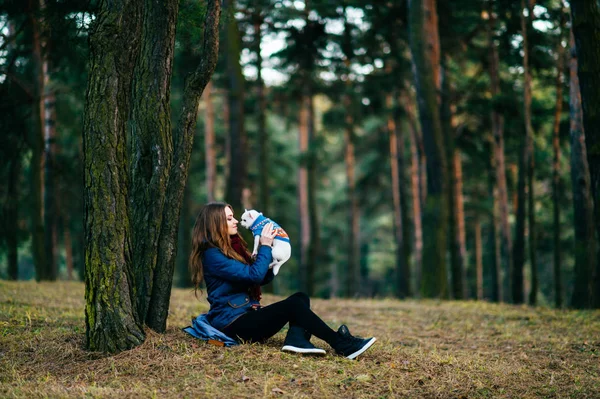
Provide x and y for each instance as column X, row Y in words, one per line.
column 37, row 116
column 112, row 324
column 236, row 182
column 209, row 143
column 498, row 149
column 583, row 205
column 435, row 215
column 586, row 30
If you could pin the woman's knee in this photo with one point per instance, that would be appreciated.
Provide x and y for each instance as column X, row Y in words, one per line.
column 302, row 297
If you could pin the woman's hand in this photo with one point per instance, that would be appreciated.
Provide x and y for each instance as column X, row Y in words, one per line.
column 268, row 235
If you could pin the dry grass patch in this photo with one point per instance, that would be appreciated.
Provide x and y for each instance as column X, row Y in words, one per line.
column 425, row 349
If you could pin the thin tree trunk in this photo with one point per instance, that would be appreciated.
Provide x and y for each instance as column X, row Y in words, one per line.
column 435, row 215
column 68, row 244
column 456, row 256
column 12, row 216
column 416, row 189
column 236, row 182
column 478, row 259
column 209, row 143
column 261, row 110
column 111, row 322
column 583, row 205
column 398, row 199
column 556, row 183
column 50, row 209
column 305, row 229
column 498, row 149
column 183, row 141
column 525, row 176
column 314, row 249
column 586, row 29
column 37, row 219
column 353, row 277
column 461, row 236
column 496, row 264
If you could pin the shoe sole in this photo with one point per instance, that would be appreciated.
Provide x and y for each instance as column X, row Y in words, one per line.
column 364, row 348
column 312, row 351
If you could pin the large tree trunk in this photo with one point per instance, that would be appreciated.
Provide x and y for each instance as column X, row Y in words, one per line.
column 399, row 199
column 209, row 143
column 111, row 321
column 37, row 138
column 117, row 82
column 556, row 183
column 583, row 205
column 236, row 181
column 183, row 141
column 151, row 146
column 498, row 151
column 425, row 56
column 586, row 29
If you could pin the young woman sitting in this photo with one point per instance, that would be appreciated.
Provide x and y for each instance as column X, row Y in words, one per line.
column 220, row 258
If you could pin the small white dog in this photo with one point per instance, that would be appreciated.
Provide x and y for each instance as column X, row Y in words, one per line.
column 282, row 249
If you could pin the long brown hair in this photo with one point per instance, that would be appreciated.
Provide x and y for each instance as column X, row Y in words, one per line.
column 210, row 231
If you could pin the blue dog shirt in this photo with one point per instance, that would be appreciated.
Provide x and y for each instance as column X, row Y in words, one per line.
column 261, row 222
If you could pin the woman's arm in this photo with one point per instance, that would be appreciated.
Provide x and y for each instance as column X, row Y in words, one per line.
column 218, row 265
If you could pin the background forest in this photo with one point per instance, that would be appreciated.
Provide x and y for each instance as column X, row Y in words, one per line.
column 446, row 160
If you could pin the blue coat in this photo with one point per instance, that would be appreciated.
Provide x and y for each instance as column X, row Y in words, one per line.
column 227, row 283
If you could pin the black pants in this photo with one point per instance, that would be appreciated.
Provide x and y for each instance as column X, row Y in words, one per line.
column 258, row 325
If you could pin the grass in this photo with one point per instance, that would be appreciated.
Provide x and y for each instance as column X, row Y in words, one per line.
column 431, row 349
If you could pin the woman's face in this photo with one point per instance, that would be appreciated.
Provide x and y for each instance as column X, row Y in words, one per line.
column 231, row 222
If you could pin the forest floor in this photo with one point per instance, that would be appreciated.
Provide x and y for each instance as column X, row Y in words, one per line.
column 430, row 349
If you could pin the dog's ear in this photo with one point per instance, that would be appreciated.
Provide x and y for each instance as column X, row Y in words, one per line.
column 245, row 210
